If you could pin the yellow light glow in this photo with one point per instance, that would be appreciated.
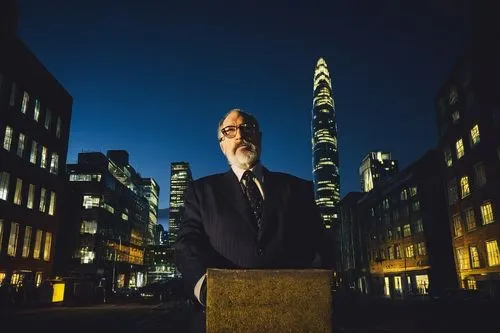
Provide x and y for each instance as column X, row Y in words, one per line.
column 58, row 294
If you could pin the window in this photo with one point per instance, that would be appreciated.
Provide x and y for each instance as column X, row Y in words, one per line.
column 413, row 191
column 14, row 233
column 47, row 246
column 27, row 242
column 479, row 175
column 397, row 232
column 452, row 191
column 421, row 250
column 4, row 185
column 404, row 195
column 12, row 100
column 7, row 140
column 38, row 278
column 43, row 160
column 24, row 105
column 1, row 238
column 419, row 227
column 493, row 253
column 460, row 148
column 20, row 145
column 409, row 251
column 422, row 284
column 38, row 244
column 88, row 227
column 457, row 225
column 54, row 164
column 34, row 149
column 464, row 185
column 398, row 252
column 470, row 218
column 406, row 230
column 415, row 207
column 90, row 201
column 58, row 127
column 52, row 205
column 85, row 178
column 474, row 135
column 448, row 159
column 487, row 213
column 48, row 116
column 471, row 284
column 31, row 196
column 462, row 258
column 86, row 256
column 455, row 116
column 18, row 198
column 474, row 255
column 36, row 115
column 42, row 206
column 390, row 251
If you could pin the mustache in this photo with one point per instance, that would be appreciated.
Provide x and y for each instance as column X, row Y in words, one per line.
column 245, row 143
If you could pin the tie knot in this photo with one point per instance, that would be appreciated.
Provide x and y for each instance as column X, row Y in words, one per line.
column 247, row 176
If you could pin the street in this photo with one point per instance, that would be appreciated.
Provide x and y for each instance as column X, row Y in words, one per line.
column 351, row 314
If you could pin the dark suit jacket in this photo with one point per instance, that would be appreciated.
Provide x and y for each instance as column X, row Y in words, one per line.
column 217, row 230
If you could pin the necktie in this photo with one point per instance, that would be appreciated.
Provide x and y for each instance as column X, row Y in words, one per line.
column 254, row 196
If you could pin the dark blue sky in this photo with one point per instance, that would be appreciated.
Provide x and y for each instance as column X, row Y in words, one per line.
column 154, row 77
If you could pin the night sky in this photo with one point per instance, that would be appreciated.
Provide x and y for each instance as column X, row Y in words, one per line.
column 154, row 77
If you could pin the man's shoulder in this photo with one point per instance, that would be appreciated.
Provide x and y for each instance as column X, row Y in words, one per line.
column 288, row 178
column 209, row 180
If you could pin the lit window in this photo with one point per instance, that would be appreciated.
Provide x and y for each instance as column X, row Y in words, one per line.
column 47, row 246
column 1, row 238
column 421, row 250
column 14, row 233
column 12, row 99
column 7, row 140
column 43, row 160
column 90, row 201
column 43, row 200
column 4, row 185
column 455, row 116
column 470, row 218
column 27, row 242
column 452, row 191
column 36, row 114
column 18, row 198
column 413, row 191
column 48, row 116
column 390, row 250
column 31, row 196
column 457, row 225
column 406, row 230
column 58, row 127
column 24, row 105
column 34, row 149
column 20, row 145
column 88, row 227
column 38, row 279
column 404, row 195
column 460, row 148
column 463, row 258
column 474, row 135
column 479, row 174
column 448, row 159
column 487, row 213
column 422, row 282
column 471, row 284
column 86, row 256
column 493, row 253
column 474, row 255
column 38, row 244
column 409, row 251
column 52, row 204
column 464, row 185
column 54, row 164
column 419, row 227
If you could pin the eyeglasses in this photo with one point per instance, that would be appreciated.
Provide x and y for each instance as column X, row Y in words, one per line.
column 245, row 129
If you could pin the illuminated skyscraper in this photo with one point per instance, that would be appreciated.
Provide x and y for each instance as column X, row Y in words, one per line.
column 180, row 177
column 376, row 167
column 151, row 191
column 324, row 147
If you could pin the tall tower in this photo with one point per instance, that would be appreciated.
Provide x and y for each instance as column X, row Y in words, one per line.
column 324, row 147
column 180, row 177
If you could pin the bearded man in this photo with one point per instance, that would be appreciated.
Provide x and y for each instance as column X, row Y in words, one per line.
column 248, row 217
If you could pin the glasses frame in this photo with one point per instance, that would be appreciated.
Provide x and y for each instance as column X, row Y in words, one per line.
column 247, row 128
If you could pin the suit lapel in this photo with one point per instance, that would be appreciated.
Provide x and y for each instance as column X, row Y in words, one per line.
column 233, row 195
column 272, row 192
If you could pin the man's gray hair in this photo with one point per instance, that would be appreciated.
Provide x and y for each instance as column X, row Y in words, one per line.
column 248, row 117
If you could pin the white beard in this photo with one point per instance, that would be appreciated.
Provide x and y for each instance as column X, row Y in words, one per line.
column 243, row 159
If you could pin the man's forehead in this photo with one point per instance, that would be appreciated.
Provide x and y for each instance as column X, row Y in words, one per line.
column 234, row 118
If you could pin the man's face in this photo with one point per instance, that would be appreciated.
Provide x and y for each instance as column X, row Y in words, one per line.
column 243, row 150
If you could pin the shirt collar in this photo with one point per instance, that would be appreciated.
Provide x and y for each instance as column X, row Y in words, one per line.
column 257, row 171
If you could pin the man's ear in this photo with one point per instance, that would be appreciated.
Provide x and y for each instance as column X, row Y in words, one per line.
column 222, row 147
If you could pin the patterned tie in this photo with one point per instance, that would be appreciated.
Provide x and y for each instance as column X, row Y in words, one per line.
column 254, row 196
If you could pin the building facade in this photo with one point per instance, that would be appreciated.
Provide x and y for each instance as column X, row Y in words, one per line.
column 468, row 118
column 326, row 177
column 113, row 220
column 408, row 240
column 376, row 167
column 35, row 115
column 180, row 178
column 151, row 191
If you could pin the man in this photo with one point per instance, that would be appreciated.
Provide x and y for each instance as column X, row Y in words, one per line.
column 248, row 217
